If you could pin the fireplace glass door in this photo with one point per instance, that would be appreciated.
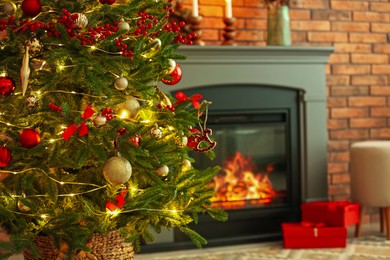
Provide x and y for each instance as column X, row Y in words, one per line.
column 252, row 153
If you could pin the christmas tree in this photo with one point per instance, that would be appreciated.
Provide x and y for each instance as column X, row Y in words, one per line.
column 89, row 143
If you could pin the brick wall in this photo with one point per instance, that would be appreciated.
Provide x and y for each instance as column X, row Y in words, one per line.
column 357, row 75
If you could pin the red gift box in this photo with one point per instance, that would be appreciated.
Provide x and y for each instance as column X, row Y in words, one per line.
column 302, row 235
column 336, row 213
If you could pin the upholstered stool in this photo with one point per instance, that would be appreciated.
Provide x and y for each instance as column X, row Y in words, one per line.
column 370, row 179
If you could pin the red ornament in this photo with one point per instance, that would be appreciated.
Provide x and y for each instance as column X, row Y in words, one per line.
column 5, row 156
column 31, row 8
column 29, row 138
column 109, row 2
column 175, row 76
column 135, row 140
column 7, row 86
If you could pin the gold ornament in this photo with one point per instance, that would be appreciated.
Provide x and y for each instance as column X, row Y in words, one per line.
column 81, row 21
column 23, row 207
column 181, row 141
column 25, row 71
column 9, row 8
column 155, row 45
column 99, row 120
column 129, row 108
column 121, row 83
column 35, row 46
column 117, row 170
column 186, row 165
column 156, row 132
column 162, row 171
column 122, row 25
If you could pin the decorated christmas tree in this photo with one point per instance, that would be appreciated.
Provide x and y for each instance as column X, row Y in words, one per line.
column 90, row 145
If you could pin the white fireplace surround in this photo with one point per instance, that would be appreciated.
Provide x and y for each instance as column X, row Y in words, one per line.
column 301, row 68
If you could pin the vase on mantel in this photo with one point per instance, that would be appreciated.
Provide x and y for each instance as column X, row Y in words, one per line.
column 278, row 26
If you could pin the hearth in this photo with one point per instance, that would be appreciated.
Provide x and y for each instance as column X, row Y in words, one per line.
column 269, row 119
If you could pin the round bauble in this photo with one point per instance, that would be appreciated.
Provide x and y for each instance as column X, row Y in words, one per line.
column 175, row 76
column 121, row 83
column 9, row 8
column 123, row 26
column 99, row 120
column 81, row 21
column 7, row 86
column 129, row 108
column 156, row 133
column 162, row 171
column 117, row 170
column 31, row 8
column 29, row 138
column 186, row 165
column 135, row 140
column 5, row 156
column 172, row 66
column 181, row 141
column 34, row 46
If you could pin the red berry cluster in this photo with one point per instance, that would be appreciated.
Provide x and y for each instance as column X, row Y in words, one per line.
column 55, row 108
column 108, row 113
column 170, row 108
column 123, row 48
column 69, row 21
column 7, row 22
column 146, row 22
column 183, row 38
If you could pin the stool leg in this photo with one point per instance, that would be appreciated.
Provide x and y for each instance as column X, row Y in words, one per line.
column 358, row 227
column 387, row 220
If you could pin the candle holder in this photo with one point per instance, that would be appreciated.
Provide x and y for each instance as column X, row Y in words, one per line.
column 195, row 27
column 229, row 32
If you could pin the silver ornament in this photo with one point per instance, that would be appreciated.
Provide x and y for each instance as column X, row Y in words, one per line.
column 99, row 120
column 162, row 171
column 117, row 170
column 35, row 46
column 121, row 83
column 129, row 108
column 156, row 132
column 31, row 101
column 123, row 26
column 81, row 21
column 9, row 8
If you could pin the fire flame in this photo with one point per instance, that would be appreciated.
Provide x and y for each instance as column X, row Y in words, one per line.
column 239, row 184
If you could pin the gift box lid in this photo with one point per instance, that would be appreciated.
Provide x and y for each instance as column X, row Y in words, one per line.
column 305, row 229
column 336, row 206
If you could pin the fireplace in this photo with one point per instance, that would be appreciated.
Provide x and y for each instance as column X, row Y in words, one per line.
column 269, row 119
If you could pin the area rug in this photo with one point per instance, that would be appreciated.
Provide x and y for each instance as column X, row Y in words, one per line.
column 364, row 248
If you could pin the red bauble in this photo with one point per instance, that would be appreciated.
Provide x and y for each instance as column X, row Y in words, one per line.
column 5, row 156
column 7, row 86
column 109, row 2
column 31, row 8
column 175, row 76
column 29, row 138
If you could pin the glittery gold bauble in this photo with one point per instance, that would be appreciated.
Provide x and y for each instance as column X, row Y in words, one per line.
column 121, row 83
column 181, row 141
column 23, row 207
column 9, row 8
column 129, row 108
column 162, row 171
column 186, row 165
column 156, row 133
column 117, row 170
column 81, row 21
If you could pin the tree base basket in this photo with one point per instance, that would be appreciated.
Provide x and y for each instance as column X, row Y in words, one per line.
column 108, row 246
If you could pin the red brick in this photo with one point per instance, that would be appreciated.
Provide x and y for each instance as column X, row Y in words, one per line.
column 369, row 79
column 380, row 111
column 331, row 15
column 341, row 178
column 328, row 36
column 337, row 102
column 367, row 122
column 367, row 101
column 334, row 167
column 339, row 156
column 368, row 38
column 349, row 5
column 299, row 14
column 380, row 69
column 350, row 27
column 337, row 124
column 380, row 7
column 349, row 134
column 349, row 90
column 337, row 189
column 353, row 47
column 370, row 58
column 381, row 48
column 383, row 133
column 338, row 80
column 315, row 4
column 250, row 35
column 337, row 145
column 345, row 112
column 380, row 27
column 339, row 58
column 310, row 25
column 351, row 69
column 371, row 16
column 381, row 91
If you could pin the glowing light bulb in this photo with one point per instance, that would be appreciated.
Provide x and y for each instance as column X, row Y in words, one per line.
column 113, row 213
column 44, row 216
column 123, row 113
column 72, row 195
column 62, row 183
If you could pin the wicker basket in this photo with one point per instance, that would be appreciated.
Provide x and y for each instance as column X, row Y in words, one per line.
column 107, row 247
